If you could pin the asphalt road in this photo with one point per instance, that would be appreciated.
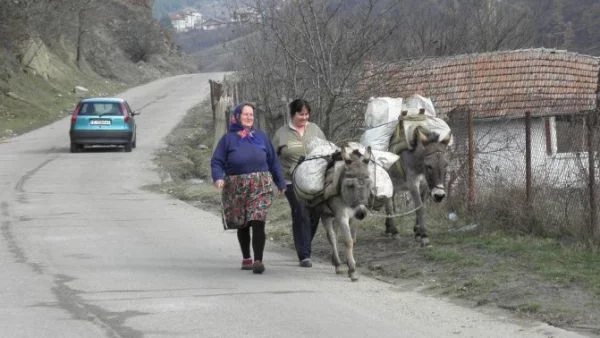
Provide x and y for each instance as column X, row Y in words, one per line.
column 86, row 252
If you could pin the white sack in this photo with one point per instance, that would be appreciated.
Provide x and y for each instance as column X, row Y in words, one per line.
column 431, row 124
column 416, row 102
column 382, row 185
column 319, row 147
column 309, row 176
column 382, row 110
column 383, row 158
column 381, row 182
column 379, row 137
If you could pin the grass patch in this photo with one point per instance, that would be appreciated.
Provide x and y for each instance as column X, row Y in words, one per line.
column 23, row 111
column 478, row 285
column 443, row 255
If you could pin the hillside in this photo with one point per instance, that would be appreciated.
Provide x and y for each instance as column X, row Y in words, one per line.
column 558, row 24
column 49, row 47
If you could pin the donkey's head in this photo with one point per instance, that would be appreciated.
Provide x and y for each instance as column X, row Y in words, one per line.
column 355, row 184
column 430, row 153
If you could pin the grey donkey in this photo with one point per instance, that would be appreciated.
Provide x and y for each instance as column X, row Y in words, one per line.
column 345, row 199
column 418, row 171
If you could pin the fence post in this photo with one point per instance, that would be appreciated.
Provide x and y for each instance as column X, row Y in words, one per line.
column 591, row 123
column 471, row 155
column 216, row 91
column 528, row 179
column 221, row 105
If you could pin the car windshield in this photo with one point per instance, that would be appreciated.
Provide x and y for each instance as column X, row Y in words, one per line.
column 95, row 108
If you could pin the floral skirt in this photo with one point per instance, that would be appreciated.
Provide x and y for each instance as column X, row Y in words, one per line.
column 247, row 197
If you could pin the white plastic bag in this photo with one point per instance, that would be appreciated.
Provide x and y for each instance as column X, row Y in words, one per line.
column 431, row 125
column 308, row 176
column 416, row 102
column 381, row 110
column 379, row 137
column 383, row 158
column 382, row 185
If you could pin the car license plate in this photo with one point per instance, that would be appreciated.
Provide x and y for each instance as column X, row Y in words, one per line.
column 100, row 122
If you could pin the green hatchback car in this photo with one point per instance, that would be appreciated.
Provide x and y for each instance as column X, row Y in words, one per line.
column 103, row 121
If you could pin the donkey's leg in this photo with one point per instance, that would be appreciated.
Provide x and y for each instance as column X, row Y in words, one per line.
column 344, row 226
column 390, row 225
column 420, row 229
column 335, row 258
column 353, row 229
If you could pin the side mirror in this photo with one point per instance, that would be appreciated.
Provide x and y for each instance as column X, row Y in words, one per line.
column 136, row 113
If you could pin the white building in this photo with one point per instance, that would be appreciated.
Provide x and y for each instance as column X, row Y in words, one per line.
column 186, row 20
column 178, row 22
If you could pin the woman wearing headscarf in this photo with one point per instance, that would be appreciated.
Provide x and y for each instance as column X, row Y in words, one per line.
column 244, row 166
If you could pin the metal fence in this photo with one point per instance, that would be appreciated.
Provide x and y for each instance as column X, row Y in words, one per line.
column 541, row 171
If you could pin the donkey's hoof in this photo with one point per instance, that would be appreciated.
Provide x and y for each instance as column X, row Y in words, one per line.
column 353, row 277
column 425, row 242
column 418, row 239
column 339, row 270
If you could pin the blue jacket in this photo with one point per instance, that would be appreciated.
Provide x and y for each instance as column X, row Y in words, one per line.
column 234, row 156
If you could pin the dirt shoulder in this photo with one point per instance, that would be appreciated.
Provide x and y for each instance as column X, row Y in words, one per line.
column 538, row 278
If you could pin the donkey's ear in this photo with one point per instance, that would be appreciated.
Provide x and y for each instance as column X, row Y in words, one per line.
column 422, row 137
column 368, row 154
column 446, row 140
column 345, row 155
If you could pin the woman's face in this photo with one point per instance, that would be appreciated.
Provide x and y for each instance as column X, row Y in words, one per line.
column 247, row 117
column 300, row 119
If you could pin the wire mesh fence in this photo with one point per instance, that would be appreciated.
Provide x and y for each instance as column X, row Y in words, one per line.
column 528, row 173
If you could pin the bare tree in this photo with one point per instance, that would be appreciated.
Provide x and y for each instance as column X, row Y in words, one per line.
column 13, row 26
column 315, row 49
column 463, row 26
column 84, row 24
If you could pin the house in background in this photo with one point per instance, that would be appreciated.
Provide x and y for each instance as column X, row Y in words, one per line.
column 556, row 87
column 246, row 15
column 178, row 22
column 186, row 20
column 192, row 18
column 212, row 24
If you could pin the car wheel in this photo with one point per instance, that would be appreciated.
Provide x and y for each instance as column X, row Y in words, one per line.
column 134, row 144
column 75, row 148
column 128, row 147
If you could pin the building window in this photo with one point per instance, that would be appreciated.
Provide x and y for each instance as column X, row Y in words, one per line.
column 570, row 133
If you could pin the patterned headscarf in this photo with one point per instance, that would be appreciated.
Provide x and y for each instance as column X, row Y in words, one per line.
column 247, row 134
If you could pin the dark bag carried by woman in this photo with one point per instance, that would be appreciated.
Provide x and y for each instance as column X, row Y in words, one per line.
column 228, row 225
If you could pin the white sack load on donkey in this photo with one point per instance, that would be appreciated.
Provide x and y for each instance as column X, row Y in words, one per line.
column 392, row 123
column 381, row 118
column 382, row 186
column 309, row 176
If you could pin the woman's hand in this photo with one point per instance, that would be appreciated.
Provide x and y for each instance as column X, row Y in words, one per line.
column 219, row 184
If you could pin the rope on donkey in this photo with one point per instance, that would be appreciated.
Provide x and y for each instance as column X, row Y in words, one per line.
column 401, row 214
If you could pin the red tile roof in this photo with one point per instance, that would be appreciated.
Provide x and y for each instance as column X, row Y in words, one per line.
column 505, row 83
